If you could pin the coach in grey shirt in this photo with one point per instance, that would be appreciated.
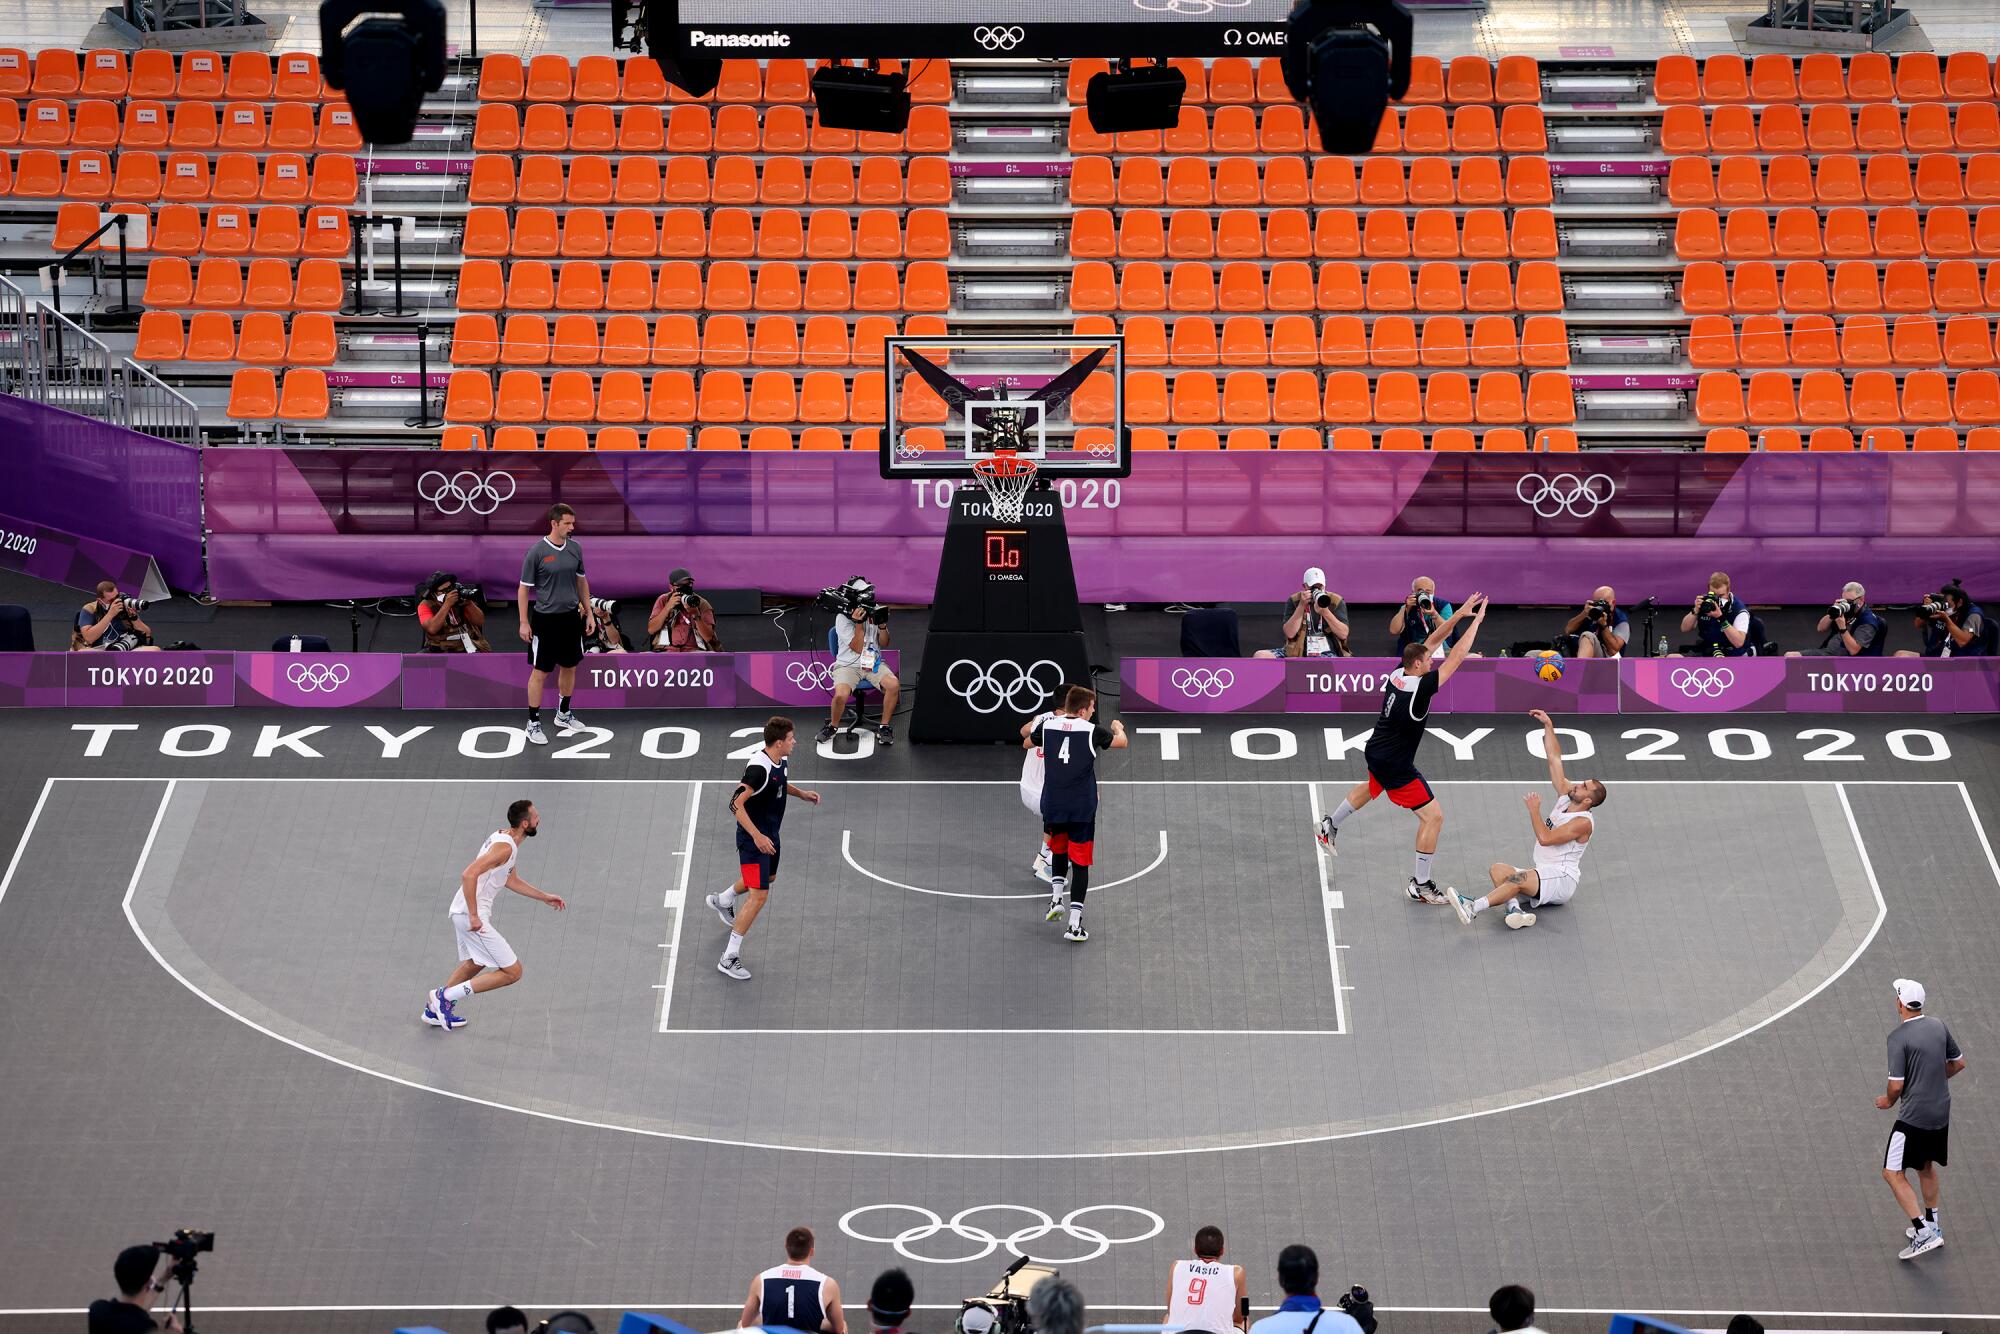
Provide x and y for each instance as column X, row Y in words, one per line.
column 1922, row 1060
column 553, row 593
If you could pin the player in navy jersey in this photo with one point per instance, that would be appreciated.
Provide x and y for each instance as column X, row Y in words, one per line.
column 1069, row 742
column 759, row 807
column 794, row 1295
column 1391, row 752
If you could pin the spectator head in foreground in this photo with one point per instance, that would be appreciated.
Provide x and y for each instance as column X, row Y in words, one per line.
column 1056, row 1307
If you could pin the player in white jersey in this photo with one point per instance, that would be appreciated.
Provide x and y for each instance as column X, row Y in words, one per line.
column 1031, row 783
column 1560, row 840
column 1205, row 1294
column 480, row 947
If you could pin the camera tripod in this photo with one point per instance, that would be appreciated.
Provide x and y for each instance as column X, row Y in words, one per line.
column 182, row 1305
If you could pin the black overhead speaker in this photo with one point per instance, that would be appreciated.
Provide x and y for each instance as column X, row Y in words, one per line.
column 691, row 74
column 1135, row 99
column 385, row 63
column 1348, row 58
column 849, row 97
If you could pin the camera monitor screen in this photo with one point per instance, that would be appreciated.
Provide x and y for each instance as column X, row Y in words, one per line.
column 969, row 29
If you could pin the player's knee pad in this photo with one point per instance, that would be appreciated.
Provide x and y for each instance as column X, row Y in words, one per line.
column 1059, row 844
column 1079, row 852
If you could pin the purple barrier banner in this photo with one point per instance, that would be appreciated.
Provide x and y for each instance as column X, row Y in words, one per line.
column 34, row 680
column 152, row 680
column 321, row 680
column 1355, row 685
column 1810, row 685
column 793, row 680
column 80, row 562
column 104, row 483
column 1541, row 527
column 603, row 681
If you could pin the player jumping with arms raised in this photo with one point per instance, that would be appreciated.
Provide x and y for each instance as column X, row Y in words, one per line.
column 1069, row 743
column 759, row 807
column 1560, row 839
column 1391, row 753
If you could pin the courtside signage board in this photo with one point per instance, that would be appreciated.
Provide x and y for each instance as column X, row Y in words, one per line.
column 972, row 29
column 1355, row 685
column 1810, row 685
column 150, row 680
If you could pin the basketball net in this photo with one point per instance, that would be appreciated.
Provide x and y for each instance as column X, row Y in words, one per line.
column 1007, row 478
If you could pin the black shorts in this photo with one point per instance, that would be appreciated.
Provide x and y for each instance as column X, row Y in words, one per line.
column 1914, row 1147
column 558, row 639
column 759, row 868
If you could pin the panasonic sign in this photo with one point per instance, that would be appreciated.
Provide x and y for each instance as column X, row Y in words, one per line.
column 698, row 38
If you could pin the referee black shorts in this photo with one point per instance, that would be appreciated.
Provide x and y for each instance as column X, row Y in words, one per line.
column 557, row 638
column 1914, row 1147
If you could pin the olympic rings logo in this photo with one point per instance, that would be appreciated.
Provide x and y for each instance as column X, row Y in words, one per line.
column 322, row 678
column 810, row 675
column 1003, row 681
column 1018, row 1241
column 1192, row 8
column 1701, row 682
column 998, row 39
column 1565, row 493
column 1200, row 682
column 1101, row 449
column 466, row 490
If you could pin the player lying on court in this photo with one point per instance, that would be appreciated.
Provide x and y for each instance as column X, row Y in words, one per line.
column 758, row 804
column 1560, row 840
column 1069, row 742
column 1391, row 752
column 480, row 947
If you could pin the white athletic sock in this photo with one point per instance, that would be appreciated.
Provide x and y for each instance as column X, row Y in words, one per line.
column 1480, row 905
column 1075, row 916
column 1341, row 813
column 458, row 993
column 1423, row 868
column 727, row 898
column 735, row 945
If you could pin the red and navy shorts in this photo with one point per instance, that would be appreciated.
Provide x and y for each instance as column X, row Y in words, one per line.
column 1075, row 839
column 759, row 868
column 1410, row 790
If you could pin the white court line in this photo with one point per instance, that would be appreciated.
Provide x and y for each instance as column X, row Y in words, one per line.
column 1328, row 902
column 846, row 837
column 1013, row 782
column 27, row 832
column 677, row 900
column 1881, row 914
column 663, row 1308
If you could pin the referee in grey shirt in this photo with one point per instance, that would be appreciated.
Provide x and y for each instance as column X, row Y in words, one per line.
column 553, row 593
column 1922, row 1059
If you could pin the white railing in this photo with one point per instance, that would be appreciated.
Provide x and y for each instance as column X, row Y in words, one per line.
column 47, row 358
column 147, row 403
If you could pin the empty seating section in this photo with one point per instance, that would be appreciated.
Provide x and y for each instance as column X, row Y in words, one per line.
column 624, row 266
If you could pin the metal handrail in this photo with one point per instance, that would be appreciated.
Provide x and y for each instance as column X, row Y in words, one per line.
column 67, row 366
column 48, row 358
column 14, row 331
column 150, row 405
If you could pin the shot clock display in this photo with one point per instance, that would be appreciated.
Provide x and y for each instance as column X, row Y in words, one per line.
column 1007, row 553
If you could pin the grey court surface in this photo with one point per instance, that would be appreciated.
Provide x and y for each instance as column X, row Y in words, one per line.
column 1656, row 1098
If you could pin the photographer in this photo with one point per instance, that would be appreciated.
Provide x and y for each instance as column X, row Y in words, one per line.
column 130, row 1311
column 451, row 617
column 682, row 621
column 111, row 624
column 1849, row 627
column 1313, row 628
column 1600, row 630
column 607, row 637
column 861, row 633
column 1720, row 622
column 1952, row 624
column 1422, row 612
column 1298, row 1276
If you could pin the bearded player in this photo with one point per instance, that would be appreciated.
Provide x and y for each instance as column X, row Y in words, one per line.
column 1560, row 839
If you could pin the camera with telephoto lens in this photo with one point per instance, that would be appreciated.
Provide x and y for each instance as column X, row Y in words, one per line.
column 445, row 579
column 1841, row 610
column 1712, row 602
column 1599, row 610
column 1426, row 602
column 1324, row 601
column 1004, row 1308
column 685, row 587
column 186, row 1244
column 1360, row 1307
column 132, row 605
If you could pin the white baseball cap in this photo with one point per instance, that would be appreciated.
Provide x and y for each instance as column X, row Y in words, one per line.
column 1910, row 993
column 976, row 1319
column 1315, row 575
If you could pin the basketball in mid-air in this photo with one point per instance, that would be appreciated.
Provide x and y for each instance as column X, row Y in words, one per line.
column 1548, row 664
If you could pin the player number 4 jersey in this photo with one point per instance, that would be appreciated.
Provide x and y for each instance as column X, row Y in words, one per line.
column 1069, row 762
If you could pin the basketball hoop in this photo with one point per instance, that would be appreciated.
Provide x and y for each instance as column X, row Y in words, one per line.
column 1007, row 478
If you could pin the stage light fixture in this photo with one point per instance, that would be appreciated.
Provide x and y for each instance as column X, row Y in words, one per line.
column 1348, row 58
column 1135, row 99
column 849, row 97
column 385, row 63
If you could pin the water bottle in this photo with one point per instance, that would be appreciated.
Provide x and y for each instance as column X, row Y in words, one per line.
column 1660, row 651
column 296, row 643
